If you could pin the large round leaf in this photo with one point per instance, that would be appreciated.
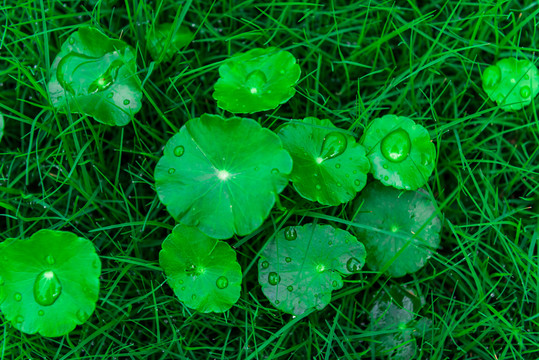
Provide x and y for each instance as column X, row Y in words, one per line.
column 409, row 230
column 258, row 80
column 96, row 76
column 222, row 175
column 49, row 283
column 302, row 265
column 329, row 166
column 203, row 272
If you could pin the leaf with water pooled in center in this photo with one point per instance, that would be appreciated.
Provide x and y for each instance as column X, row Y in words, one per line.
column 96, row 76
column 400, row 229
column 49, row 283
column 202, row 271
column 329, row 165
column 302, row 265
column 222, row 175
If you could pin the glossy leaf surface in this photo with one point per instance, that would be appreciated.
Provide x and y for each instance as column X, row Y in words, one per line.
column 164, row 39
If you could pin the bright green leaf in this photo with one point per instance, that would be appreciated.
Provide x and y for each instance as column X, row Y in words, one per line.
column 302, row 265
column 329, row 166
column 258, row 80
column 49, row 283
column 203, row 272
column 222, row 175
column 158, row 40
column 400, row 152
column 96, row 76
column 511, row 83
column 411, row 229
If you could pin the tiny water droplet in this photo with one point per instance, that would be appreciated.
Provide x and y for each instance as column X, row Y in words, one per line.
column 96, row 263
column 386, row 178
column 18, row 297
column 180, row 281
column 47, row 288
column 265, row 264
column 194, row 296
column 491, row 76
column 385, row 166
column 289, row 288
column 396, row 146
column 110, row 95
column 338, row 166
column 277, row 302
column 182, row 288
column 330, row 243
column 320, row 268
column 339, row 184
column 50, row 260
column 20, row 319
column 274, row 278
column 357, row 182
column 288, row 259
column 354, row 172
column 179, row 150
column 82, row 316
column 171, row 171
column 290, row 233
column 71, row 41
column 353, row 265
column 525, row 91
column 41, row 312
column 334, row 283
column 222, row 282
column 334, row 144
column 318, row 187
column 127, row 102
column 275, row 171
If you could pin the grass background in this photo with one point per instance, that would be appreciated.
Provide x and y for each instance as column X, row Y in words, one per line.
column 359, row 60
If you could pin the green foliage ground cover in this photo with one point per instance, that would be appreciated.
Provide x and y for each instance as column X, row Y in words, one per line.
column 359, row 61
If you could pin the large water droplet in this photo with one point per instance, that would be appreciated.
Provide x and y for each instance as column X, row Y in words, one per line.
column 222, row 282
column 265, row 264
column 290, row 233
column 334, row 145
column 491, row 76
column 353, row 265
column 274, row 278
column 525, row 91
column 396, row 146
column 18, row 297
column 47, row 288
column 106, row 79
column 179, row 150
column 256, row 81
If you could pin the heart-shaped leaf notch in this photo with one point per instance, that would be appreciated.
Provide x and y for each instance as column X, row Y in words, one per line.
column 49, row 283
column 96, row 76
column 409, row 224
column 258, row 80
column 400, row 152
column 512, row 83
column 203, row 272
column 222, row 175
column 329, row 166
column 302, row 265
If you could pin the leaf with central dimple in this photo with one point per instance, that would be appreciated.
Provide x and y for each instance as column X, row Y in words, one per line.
column 203, row 272
column 49, row 283
column 222, row 175
column 329, row 166
column 96, row 76
column 302, row 265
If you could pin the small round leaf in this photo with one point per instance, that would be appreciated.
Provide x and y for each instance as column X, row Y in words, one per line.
column 158, row 39
column 96, row 76
column 329, row 166
column 511, row 83
column 222, row 175
column 400, row 152
column 203, row 272
column 258, row 80
column 410, row 230
column 49, row 283
column 302, row 265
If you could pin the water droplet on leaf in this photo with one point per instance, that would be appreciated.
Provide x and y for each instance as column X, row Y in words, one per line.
column 50, row 260
column 334, row 145
column 110, row 95
column 318, row 187
column 290, row 233
column 194, row 296
column 492, row 76
column 525, row 91
column 82, row 316
column 71, row 41
column 265, row 264
column 288, row 259
column 289, row 288
column 353, row 265
column 255, row 82
column 106, row 79
column 396, row 145
column 274, row 278
column 171, row 171
column 127, row 102
column 47, row 288
column 275, row 171
column 41, row 312
column 222, row 282
column 20, row 319
column 179, row 150
column 18, row 297
column 337, row 166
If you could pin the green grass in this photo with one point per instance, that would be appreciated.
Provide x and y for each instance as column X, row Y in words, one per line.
column 359, row 61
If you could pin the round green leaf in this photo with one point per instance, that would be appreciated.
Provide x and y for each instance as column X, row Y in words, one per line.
column 49, row 283
column 203, row 272
column 511, row 83
column 258, row 80
column 400, row 152
column 329, row 166
column 163, row 38
column 302, row 265
column 222, row 175
column 408, row 229
column 96, row 76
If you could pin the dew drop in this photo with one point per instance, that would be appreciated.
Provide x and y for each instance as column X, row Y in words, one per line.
column 275, row 171
column 18, row 297
column 386, row 178
column 491, row 76
column 334, row 144
column 320, row 268
column 288, row 259
column 19, row 319
column 290, row 233
column 179, row 150
column 255, row 82
column 339, row 184
column 357, row 182
column 353, row 265
column 171, row 171
column 289, row 288
column 385, row 166
column 127, row 102
column 265, row 264
column 47, row 288
column 337, row 166
column 41, row 312
column 50, row 260
column 82, row 316
column 318, row 187
column 525, row 91
column 110, row 95
column 330, row 243
column 274, row 278
column 106, row 79
column 396, row 145
column 354, row 172
column 71, row 41
column 182, row 288
column 222, row 282
column 334, row 283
